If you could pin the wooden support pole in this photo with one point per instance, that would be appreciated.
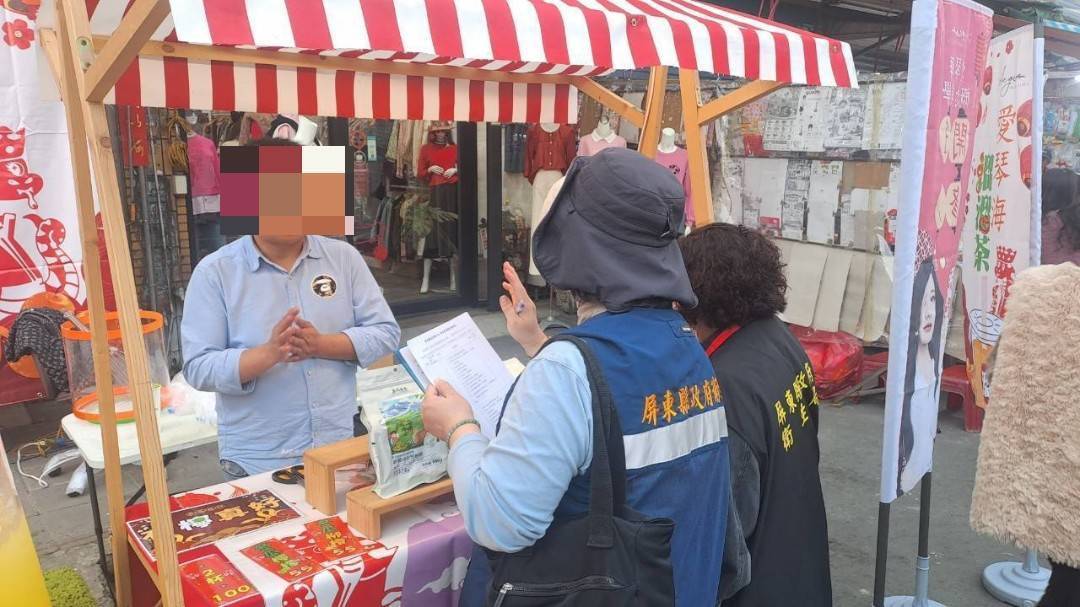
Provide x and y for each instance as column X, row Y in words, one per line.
column 63, row 64
column 138, row 24
column 747, row 93
column 700, row 184
column 654, row 110
column 108, row 189
column 611, row 100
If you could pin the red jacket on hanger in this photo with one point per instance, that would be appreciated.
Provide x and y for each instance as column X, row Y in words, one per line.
column 546, row 151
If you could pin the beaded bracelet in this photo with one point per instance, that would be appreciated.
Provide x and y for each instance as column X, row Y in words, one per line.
column 458, row 426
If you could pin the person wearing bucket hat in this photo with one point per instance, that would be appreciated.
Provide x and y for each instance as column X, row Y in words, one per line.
column 609, row 236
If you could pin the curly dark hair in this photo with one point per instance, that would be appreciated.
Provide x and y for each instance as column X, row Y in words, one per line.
column 736, row 273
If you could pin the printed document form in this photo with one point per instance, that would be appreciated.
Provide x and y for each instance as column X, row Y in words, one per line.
column 458, row 353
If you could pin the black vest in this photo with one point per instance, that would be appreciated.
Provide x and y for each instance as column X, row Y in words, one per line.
column 768, row 388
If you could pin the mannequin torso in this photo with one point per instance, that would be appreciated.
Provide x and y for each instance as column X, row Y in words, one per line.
column 600, row 139
column 677, row 161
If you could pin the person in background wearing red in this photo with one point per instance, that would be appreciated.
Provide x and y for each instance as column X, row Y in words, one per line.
column 1061, row 217
column 777, row 544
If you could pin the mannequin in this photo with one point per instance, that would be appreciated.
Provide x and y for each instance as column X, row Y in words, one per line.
column 667, row 141
column 600, row 139
column 438, row 166
column 204, row 166
column 677, row 161
column 549, row 150
column 603, row 128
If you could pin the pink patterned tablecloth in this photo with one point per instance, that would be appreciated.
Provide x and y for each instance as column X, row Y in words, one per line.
column 420, row 560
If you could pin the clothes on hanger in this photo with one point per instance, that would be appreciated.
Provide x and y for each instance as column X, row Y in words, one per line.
column 406, row 140
column 549, row 151
column 204, row 166
column 514, row 147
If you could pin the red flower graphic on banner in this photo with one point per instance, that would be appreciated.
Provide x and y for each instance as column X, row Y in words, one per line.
column 23, row 7
column 17, row 33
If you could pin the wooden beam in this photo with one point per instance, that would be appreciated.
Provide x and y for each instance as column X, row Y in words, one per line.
column 88, row 233
column 609, row 99
column 108, row 189
column 654, row 110
column 142, row 18
column 700, row 186
column 201, row 52
column 52, row 51
column 747, row 93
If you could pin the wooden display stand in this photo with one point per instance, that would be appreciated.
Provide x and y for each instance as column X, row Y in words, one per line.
column 365, row 508
column 321, row 463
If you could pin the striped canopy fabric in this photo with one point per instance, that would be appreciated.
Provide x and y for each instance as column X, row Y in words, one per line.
column 579, row 37
column 176, row 82
column 552, row 37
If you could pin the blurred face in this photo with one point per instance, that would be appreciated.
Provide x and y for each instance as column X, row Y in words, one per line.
column 927, row 313
column 440, row 137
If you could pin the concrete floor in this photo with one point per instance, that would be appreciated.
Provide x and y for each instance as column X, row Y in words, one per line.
column 850, row 439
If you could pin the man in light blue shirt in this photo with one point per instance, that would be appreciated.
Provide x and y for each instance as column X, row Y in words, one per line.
column 276, row 326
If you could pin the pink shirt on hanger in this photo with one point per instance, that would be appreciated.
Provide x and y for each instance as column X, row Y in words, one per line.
column 592, row 144
column 203, row 165
column 678, row 163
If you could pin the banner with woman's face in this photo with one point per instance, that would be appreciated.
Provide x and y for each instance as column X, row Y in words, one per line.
column 949, row 41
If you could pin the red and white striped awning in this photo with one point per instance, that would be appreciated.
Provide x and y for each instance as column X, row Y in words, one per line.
column 580, row 37
column 553, row 37
column 221, row 85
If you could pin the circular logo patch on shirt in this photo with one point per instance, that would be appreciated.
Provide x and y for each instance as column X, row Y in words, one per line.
column 324, row 285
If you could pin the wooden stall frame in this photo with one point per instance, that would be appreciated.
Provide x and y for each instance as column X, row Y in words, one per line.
column 88, row 66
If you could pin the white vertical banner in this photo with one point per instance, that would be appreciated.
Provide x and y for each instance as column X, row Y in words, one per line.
column 948, row 43
column 1038, row 125
column 40, row 254
column 1005, row 166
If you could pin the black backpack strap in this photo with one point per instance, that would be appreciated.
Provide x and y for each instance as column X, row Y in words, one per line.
column 607, row 479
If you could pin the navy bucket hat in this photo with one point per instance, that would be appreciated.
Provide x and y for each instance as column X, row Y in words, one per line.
column 611, row 232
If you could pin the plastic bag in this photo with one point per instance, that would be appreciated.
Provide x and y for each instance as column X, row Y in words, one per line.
column 179, row 398
column 835, row 357
column 403, row 453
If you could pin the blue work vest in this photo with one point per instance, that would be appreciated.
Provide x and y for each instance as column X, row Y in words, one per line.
column 675, row 438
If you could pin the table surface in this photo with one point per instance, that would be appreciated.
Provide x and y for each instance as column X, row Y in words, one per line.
column 178, row 432
column 421, row 558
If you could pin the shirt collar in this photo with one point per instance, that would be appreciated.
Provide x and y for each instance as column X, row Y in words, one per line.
column 252, row 254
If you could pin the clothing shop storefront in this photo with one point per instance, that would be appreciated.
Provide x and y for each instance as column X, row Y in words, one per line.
column 427, row 216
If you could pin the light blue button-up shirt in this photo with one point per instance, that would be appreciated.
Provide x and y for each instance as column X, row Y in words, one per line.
column 234, row 299
column 509, row 487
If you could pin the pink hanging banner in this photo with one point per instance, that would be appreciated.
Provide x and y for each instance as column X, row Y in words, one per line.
column 949, row 40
